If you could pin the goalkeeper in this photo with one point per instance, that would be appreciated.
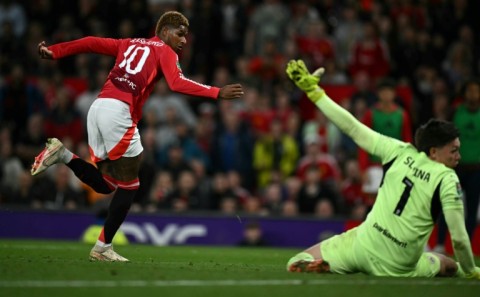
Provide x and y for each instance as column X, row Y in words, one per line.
column 418, row 183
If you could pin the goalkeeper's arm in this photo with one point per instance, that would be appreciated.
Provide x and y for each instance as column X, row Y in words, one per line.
column 363, row 136
column 461, row 243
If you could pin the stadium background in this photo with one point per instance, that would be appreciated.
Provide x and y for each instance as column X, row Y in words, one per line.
column 206, row 158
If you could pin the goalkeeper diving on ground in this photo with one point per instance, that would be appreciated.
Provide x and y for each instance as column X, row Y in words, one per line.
column 419, row 182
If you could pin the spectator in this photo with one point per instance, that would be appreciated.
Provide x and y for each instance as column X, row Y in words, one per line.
column 273, row 196
column 232, row 148
column 165, row 130
column 10, row 167
column 220, row 190
column 235, row 183
column 289, row 209
column 62, row 120
column 258, row 112
column 23, row 195
column 57, row 194
column 228, row 205
column 12, row 49
column 185, row 197
column 314, row 45
column 204, row 132
column 252, row 235
column 85, row 99
column 351, row 189
column 389, row 119
column 163, row 99
column 325, row 164
column 467, row 119
column 267, row 66
column 31, row 140
column 191, row 150
column 162, row 187
column 206, row 29
column 269, row 20
column 370, row 54
column 274, row 152
column 329, row 136
column 19, row 99
column 348, row 31
column 175, row 162
column 253, row 206
column 324, row 209
column 333, row 74
column 14, row 13
column 313, row 190
column 234, row 26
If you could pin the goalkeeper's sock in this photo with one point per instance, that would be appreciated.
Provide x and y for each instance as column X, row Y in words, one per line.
column 90, row 175
column 299, row 257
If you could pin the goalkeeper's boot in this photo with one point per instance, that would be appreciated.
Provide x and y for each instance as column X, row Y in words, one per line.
column 106, row 254
column 51, row 154
column 315, row 266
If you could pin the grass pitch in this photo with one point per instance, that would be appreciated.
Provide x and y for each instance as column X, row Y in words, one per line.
column 53, row 268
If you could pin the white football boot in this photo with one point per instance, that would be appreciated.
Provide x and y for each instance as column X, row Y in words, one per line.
column 106, row 254
column 51, row 154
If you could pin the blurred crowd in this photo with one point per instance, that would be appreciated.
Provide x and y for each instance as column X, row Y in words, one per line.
column 392, row 63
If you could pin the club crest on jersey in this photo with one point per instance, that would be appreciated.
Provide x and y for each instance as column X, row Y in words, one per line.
column 459, row 190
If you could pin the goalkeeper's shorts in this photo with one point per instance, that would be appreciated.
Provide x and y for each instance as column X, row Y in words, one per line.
column 346, row 255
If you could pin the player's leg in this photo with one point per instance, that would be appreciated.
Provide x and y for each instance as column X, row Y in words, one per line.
column 55, row 153
column 337, row 254
column 435, row 265
column 124, row 172
column 309, row 260
column 117, row 149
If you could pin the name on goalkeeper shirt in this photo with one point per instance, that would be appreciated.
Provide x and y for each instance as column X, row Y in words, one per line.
column 417, row 172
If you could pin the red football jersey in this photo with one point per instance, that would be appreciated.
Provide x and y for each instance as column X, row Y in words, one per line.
column 139, row 64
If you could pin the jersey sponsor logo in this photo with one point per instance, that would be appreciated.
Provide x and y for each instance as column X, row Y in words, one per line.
column 417, row 172
column 388, row 235
column 125, row 79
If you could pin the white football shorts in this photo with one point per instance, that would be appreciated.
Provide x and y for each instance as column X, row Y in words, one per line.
column 111, row 132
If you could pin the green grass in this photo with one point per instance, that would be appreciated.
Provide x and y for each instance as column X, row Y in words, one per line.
column 53, row 268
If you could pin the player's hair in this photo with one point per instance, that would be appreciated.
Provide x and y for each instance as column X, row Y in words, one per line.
column 435, row 133
column 173, row 19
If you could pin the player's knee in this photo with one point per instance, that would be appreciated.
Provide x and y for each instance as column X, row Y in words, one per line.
column 448, row 267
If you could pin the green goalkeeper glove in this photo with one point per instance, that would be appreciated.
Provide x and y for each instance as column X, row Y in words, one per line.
column 299, row 74
column 475, row 275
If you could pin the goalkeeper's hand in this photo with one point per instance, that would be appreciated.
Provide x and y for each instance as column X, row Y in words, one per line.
column 475, row 274
column 299, row 74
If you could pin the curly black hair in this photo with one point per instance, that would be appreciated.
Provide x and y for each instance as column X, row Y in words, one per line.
column 172, row 19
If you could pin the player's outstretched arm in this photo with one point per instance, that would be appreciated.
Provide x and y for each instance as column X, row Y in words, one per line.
column 89, row 44
column 363, row 136
column 233, row 91
column 460, row 241
column 44, row 52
